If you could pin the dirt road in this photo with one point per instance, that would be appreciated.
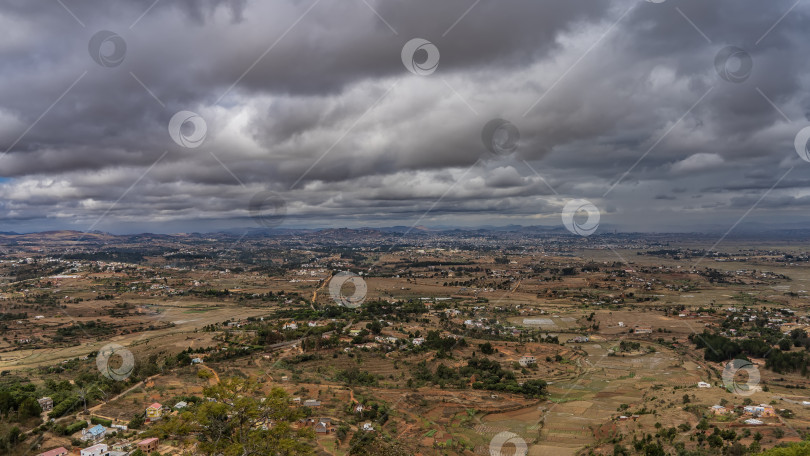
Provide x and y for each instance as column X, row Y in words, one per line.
column 315, row 292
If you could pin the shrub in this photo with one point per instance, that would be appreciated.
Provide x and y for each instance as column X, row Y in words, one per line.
column 101, row 421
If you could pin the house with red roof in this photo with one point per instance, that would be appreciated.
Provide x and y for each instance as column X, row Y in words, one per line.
column 154, row 412
column 61, row 451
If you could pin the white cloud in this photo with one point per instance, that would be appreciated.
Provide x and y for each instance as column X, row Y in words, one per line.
column 698, row 163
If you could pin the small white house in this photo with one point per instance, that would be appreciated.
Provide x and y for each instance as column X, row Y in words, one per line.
column 94, row 434
column 95, row 450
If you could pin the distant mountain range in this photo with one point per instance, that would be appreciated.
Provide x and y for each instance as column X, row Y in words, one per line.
column 63, row 236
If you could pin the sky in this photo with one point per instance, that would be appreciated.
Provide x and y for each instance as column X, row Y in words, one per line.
column 201, row 115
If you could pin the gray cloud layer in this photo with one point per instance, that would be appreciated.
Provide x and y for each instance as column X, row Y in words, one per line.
column 310, row 99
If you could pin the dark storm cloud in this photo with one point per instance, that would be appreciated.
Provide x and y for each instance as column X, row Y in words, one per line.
column 310, row 99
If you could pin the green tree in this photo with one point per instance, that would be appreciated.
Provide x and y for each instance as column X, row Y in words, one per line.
column 794, row 449
column 183, row 359
column 242, row 421
column 342, row 432
column 736, row 449
column 375, row 327
column 654, row 449
column 136, row 422
column 28, row 408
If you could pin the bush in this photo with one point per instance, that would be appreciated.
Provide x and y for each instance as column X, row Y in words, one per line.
column 75, row 427
column 486, row 348
column 136, row 422
column 101, row 421
column 354, row 376
column 204, row 374
column 63, row 407
column 29, row 407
